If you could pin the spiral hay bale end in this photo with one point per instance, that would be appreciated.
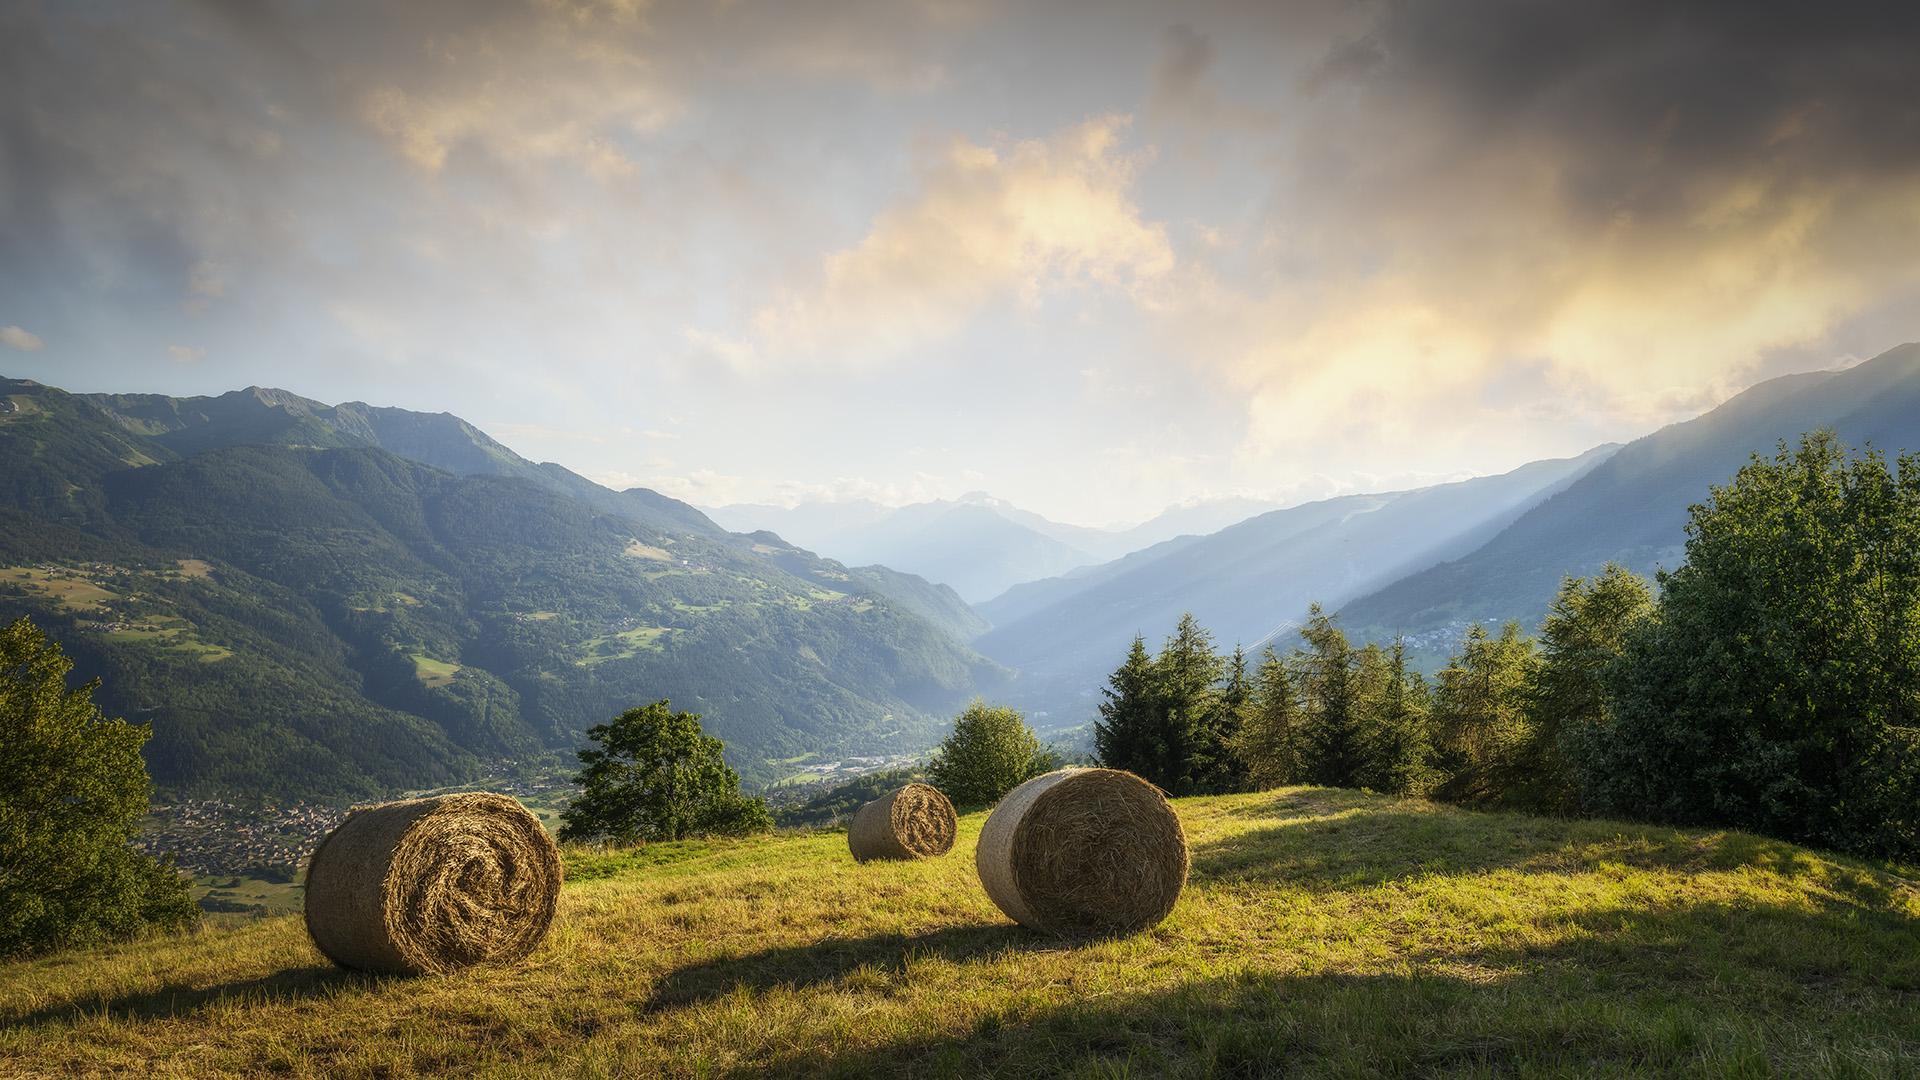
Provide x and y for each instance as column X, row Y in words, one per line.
column 1084, row 852
column 433, row 885
column 914, row 822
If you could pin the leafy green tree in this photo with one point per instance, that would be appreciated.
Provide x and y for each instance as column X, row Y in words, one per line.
column 72, row 790
column 1268, row 742
column 657, row 776
column 990, row 752
column 1332, row 744
column 1481, row 728
column 1131, row 733
column 1395, row 715
column 1777, row 688
column 1583, row 636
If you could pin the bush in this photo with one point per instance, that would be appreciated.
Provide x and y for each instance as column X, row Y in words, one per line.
column 658, row 776
column 1777, row 687
column 72, row 790
column 990, row 752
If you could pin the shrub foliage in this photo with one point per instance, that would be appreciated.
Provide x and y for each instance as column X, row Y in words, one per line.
column 72, row 790
column 655, row 775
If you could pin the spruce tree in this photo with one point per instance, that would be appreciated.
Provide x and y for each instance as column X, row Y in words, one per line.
column 1399, row 746
column 1332, row 747
column 1268, row 742
column 1129, row 734
column 1481, row 726
column 1187, row 670
column 1219, row 767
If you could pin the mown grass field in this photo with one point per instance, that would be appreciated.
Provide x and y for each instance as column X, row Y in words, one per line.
column 1324, row 933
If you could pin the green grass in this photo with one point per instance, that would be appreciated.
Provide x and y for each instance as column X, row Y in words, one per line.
column 226, row 890
column 1324, row 933
column 433, row 673
column 625, row 644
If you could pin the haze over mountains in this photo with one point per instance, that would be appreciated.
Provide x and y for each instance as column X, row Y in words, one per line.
column 341, row 601
column 1633, row 508
column 1251, row 582
column 978, row 544
column 298, row 609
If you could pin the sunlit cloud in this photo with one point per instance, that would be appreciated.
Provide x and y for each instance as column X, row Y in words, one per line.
column 1027, row 219
column 13, row 337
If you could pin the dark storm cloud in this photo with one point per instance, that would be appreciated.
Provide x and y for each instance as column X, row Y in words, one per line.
column 1639, row 98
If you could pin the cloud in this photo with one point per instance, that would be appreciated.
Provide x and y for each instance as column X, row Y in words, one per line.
column 185, row 354
column 1638, row 204
column 1026, row 220
column 14, row 337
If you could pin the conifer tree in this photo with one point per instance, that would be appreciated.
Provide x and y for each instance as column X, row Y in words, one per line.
column 1480, row 722
column 1219, row 767
column 1268, row 742
column 1399, row 746
column 1130, row 734
column 1187, row 670
column 1331, row 744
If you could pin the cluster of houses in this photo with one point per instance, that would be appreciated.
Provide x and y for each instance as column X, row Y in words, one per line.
column 211, row 837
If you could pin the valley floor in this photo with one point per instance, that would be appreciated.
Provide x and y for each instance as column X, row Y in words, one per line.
column 1324, row 933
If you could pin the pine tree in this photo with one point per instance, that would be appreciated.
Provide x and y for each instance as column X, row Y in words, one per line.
column 1268, row 742
column 1129, row 734
column 1187, row 670
column 1331, row 744
column 1399, row 746
column 1219, row 768
column 1480, row 722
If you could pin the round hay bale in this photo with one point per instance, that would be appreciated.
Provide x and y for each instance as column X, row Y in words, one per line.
column 433, row 885
column 1084, row 852
column 915, row 822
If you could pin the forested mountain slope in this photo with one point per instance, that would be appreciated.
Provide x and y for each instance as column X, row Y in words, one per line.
column 1249, row 582
column 341, row 621
column 1633, row 508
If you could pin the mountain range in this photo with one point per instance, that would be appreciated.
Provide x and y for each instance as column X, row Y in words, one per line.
column 343, row 601
column 1632, row 509
column 1423, row 565
column 1250, row 582
column 336, row 601
column 980, row 545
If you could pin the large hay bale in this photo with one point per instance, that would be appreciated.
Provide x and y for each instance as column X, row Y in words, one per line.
column 433, row 885
column 1084, row 851
column 915, row 822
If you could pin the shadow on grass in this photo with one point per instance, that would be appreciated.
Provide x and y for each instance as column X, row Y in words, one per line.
column 180, row 1000
column 881, row 956
column 1328, row 839
column 1705, row 990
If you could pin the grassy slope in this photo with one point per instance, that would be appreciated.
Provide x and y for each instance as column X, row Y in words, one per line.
column 1324, row 933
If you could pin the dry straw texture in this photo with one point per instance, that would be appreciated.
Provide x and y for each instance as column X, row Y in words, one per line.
column 1084, row 851
column 915, row 822
column 433, row 885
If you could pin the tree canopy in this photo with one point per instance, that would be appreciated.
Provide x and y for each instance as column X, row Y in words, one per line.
column 657, row 776
column 72, row 790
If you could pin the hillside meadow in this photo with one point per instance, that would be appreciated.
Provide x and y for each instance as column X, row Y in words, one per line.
column 1324, row 933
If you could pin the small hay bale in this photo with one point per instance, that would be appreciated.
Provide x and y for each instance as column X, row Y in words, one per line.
column 433, row 885
column 1084, row 852
column 915, row 822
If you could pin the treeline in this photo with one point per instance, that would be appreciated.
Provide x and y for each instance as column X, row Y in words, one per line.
column 1770, row 683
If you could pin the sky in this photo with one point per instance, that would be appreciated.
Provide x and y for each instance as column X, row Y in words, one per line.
column 1093, row 258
